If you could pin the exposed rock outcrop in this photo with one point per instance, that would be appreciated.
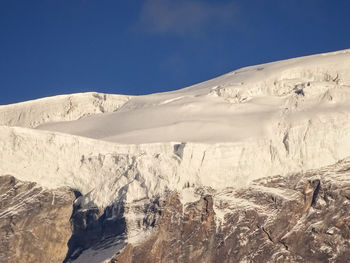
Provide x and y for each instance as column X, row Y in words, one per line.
column 95, row 229
column 34, row 222
column 299, row 218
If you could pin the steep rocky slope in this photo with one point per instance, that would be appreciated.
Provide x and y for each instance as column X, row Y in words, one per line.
column 34, row 222
column 299, row 218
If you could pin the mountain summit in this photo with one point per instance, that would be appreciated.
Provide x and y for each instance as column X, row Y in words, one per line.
column 251, row 166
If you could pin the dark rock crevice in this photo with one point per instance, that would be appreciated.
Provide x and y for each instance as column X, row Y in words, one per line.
column 93, row 228
column 267, row 234
column 316, row 184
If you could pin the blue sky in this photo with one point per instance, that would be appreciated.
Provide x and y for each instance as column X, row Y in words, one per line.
column 51, row 47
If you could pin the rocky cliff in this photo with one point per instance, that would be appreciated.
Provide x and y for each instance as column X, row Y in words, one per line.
column 300, row 218
column 34, row 222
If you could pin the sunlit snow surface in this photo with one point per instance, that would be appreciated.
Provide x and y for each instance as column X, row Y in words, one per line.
column 262, row 120
column 244, row 104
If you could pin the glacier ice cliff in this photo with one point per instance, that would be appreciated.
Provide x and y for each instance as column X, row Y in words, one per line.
column 206, row 158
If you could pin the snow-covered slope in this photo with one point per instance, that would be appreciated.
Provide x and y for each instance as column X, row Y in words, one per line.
column 122, row 152
column 253, row 102
column 276, row 118
column 59, row 108
column 269, row 119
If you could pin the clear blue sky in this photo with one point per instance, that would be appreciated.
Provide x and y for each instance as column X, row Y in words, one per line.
column 51, row 47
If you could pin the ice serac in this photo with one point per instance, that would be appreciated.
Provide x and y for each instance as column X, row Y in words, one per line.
column 284, row 111
column 59, row 108
column 142, row 162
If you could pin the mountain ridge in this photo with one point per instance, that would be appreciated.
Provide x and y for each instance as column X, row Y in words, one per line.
column 126, row 156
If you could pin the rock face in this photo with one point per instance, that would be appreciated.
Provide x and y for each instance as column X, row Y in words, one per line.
column 300, row 218
column 94, row 229
column 182, row 235
column 34, row 223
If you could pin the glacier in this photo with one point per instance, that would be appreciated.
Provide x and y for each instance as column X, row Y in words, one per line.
column 228, row 131
column 273, row 119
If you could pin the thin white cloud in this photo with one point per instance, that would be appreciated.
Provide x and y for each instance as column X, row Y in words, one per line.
column 184, row 16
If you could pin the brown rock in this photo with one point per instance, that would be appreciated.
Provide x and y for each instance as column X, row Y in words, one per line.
column 34, row 222
column 299, row 218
